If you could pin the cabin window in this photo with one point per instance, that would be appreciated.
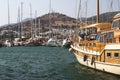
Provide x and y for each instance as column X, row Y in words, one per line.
column 107, row 37
column 116, row 24
column 94, row 44
column 108, row 54
column 116, row 55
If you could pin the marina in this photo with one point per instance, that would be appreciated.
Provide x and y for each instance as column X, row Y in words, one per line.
column 60, row 40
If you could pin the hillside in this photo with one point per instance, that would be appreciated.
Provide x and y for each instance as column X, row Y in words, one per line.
column 55, row 20
column 42, row 23
column 105, row 17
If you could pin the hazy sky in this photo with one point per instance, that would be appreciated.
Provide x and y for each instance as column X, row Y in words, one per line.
column 68, row 7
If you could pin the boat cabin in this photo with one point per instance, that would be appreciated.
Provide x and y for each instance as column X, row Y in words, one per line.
column 116, row 22
column 91, row 32
column 113, row 35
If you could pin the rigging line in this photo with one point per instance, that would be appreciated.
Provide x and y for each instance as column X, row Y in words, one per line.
column 111, row 5
column 76, row 11
column 86, row 11
column 119, row 5
column 79, row 9
column 76, row 15
column 111, row 9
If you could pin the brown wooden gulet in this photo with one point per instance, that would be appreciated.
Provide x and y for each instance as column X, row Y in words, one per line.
column 98, row 45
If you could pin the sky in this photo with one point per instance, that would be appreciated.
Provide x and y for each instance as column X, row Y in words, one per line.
column 67, row 7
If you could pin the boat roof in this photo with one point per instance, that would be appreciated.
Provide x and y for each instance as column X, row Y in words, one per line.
column 97, row 25
column 112, row 47
column 116, row 16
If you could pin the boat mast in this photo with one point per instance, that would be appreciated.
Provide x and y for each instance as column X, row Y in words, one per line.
column 79, row 9
column 18, row 21
column 35, row 28
column 39, row 27
column 21, row 30
column 32, row 36
column 97, row 21
column 9, row 22
column 50, row 35
column 8, row 14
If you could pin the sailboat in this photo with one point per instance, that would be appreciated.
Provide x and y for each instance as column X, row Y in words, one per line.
column 98, row 45
column 52, row 42
column 8, row 42
column 34, row 40
column 18, row 40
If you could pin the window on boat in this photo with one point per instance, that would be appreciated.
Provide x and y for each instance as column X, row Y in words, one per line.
column 108, row 54
column 116, row 55
column 94, row 44
column 107, row 37
column 116, row 24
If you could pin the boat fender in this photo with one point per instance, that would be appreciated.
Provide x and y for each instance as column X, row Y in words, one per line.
column 92, row 60
column 84, row 58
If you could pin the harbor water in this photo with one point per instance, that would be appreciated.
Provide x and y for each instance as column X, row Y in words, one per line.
column 45, row 63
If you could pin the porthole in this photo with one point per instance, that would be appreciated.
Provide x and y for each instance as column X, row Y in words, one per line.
column 108, row 54
column 116, row 55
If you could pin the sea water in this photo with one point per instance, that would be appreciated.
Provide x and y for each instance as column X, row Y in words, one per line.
column 45, row 63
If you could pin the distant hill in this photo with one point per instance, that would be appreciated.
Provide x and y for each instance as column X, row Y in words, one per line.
column 56, row 20
column 42, row 23
column 105, row 17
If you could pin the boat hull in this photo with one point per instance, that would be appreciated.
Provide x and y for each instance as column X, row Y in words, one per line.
column 105, row 67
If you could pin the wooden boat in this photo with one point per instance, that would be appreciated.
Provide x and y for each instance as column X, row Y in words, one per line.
column 98, row 46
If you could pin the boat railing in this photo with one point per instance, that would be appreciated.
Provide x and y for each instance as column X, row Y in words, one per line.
column 92, row 46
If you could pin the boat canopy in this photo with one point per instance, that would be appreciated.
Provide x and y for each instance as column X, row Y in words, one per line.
column 116, row 16
column 112, row 47
column 97, row 25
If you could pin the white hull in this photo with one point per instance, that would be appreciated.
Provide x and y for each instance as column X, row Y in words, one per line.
column 52, row 43
column 105, row 67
